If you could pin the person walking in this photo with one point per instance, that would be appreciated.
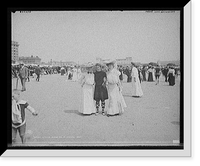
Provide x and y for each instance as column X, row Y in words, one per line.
column 165, row 72
column 23, row 74
column 150, row 74
column 140, row 73
column 136, row 86
column 75, row 75
column 144, row 73
column 171, row 76
column 37, row 72
column 62, row 71
column 28, row 79
column 121, row 74
column 157, row 74
column 116, row 101
column 100, row 90
column 128, row 73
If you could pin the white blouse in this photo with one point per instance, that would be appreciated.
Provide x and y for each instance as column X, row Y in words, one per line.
column 113, row 76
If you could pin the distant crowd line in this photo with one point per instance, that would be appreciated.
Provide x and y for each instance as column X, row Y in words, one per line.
column 148, row 73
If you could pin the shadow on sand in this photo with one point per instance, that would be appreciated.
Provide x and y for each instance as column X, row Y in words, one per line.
column 75, row 112
column 126, row 95
column 72, row 112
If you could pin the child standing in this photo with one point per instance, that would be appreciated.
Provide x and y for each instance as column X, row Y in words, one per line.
column 100, row 90
column 18, row 115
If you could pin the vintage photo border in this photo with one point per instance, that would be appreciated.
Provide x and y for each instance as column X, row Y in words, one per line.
column 184, row 150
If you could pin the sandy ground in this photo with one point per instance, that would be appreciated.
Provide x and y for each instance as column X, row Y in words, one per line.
column 150, row 120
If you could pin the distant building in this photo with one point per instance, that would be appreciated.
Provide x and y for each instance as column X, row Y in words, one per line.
column 15, row 53
column 30, row 60
column 122, row 62
column 164, row 63
column 62, row 63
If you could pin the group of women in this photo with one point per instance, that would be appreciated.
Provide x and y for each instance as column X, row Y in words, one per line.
column 152, row 73
column 99, row 86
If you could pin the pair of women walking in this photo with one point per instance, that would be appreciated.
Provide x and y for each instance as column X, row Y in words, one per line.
column 98, row 87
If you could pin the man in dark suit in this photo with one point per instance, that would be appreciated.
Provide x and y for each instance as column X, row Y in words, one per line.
column 23, row 74
column 128, row 73
column 37, row 72
column 165, row 71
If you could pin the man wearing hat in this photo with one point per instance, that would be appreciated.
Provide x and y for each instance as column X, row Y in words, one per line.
column 100, row 90
column 23, row 74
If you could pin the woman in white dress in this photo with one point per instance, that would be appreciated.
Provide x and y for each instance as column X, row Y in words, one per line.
column 116, row 101
column 136, row 86
column 87, row 106
column 75, row 76
column 78, row 73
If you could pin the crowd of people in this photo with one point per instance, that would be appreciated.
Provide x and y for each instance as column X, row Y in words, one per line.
column 151, row 73
column 98, row 86
column 104, row 82
column 99, row 82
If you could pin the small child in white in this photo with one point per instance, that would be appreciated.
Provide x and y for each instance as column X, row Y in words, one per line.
column 18, row 115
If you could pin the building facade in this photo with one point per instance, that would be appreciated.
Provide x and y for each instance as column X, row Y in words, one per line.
column 30, row 60
column 62, row 63
column 124, row 62
column 121, row 62
column 15, row 53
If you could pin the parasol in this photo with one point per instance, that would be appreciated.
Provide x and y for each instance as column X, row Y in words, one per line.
column 171, row 64
column 153, row 64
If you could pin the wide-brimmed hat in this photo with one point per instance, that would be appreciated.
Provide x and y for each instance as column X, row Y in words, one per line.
column 132, row 63
column 98, row 64
column 87, row 65
column 110, row 61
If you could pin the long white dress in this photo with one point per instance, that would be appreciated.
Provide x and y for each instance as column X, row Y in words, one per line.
column 136, row 86
column 78, row 73
column 87, row 105
column 75, row 75
column 116, row 101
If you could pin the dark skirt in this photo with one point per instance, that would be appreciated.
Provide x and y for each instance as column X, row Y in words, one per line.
column 144, row 75
column 171, row 80
column 100, row 93
column 121, row 77
column 70, row 76
column 150, row 77
column 129, row 78
column 62, row 72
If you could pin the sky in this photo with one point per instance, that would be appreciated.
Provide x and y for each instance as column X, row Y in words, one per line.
column 82, row 36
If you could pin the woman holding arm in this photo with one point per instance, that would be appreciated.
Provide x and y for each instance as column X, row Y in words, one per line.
column 116, row 101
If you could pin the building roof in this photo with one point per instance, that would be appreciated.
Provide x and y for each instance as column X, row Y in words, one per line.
column 29, row 57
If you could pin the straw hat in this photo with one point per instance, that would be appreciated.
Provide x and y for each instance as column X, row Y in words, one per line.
column 110, row 61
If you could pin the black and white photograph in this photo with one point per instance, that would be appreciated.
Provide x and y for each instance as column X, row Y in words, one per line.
column 97, row 79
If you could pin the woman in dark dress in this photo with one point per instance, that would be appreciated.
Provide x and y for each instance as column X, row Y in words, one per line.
column 140, row 74
column 171, row 76
column 165, row 71
column 157, row 74
column 144, row 73
column 121, row 74
column 150, row 74
column 100, row 90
